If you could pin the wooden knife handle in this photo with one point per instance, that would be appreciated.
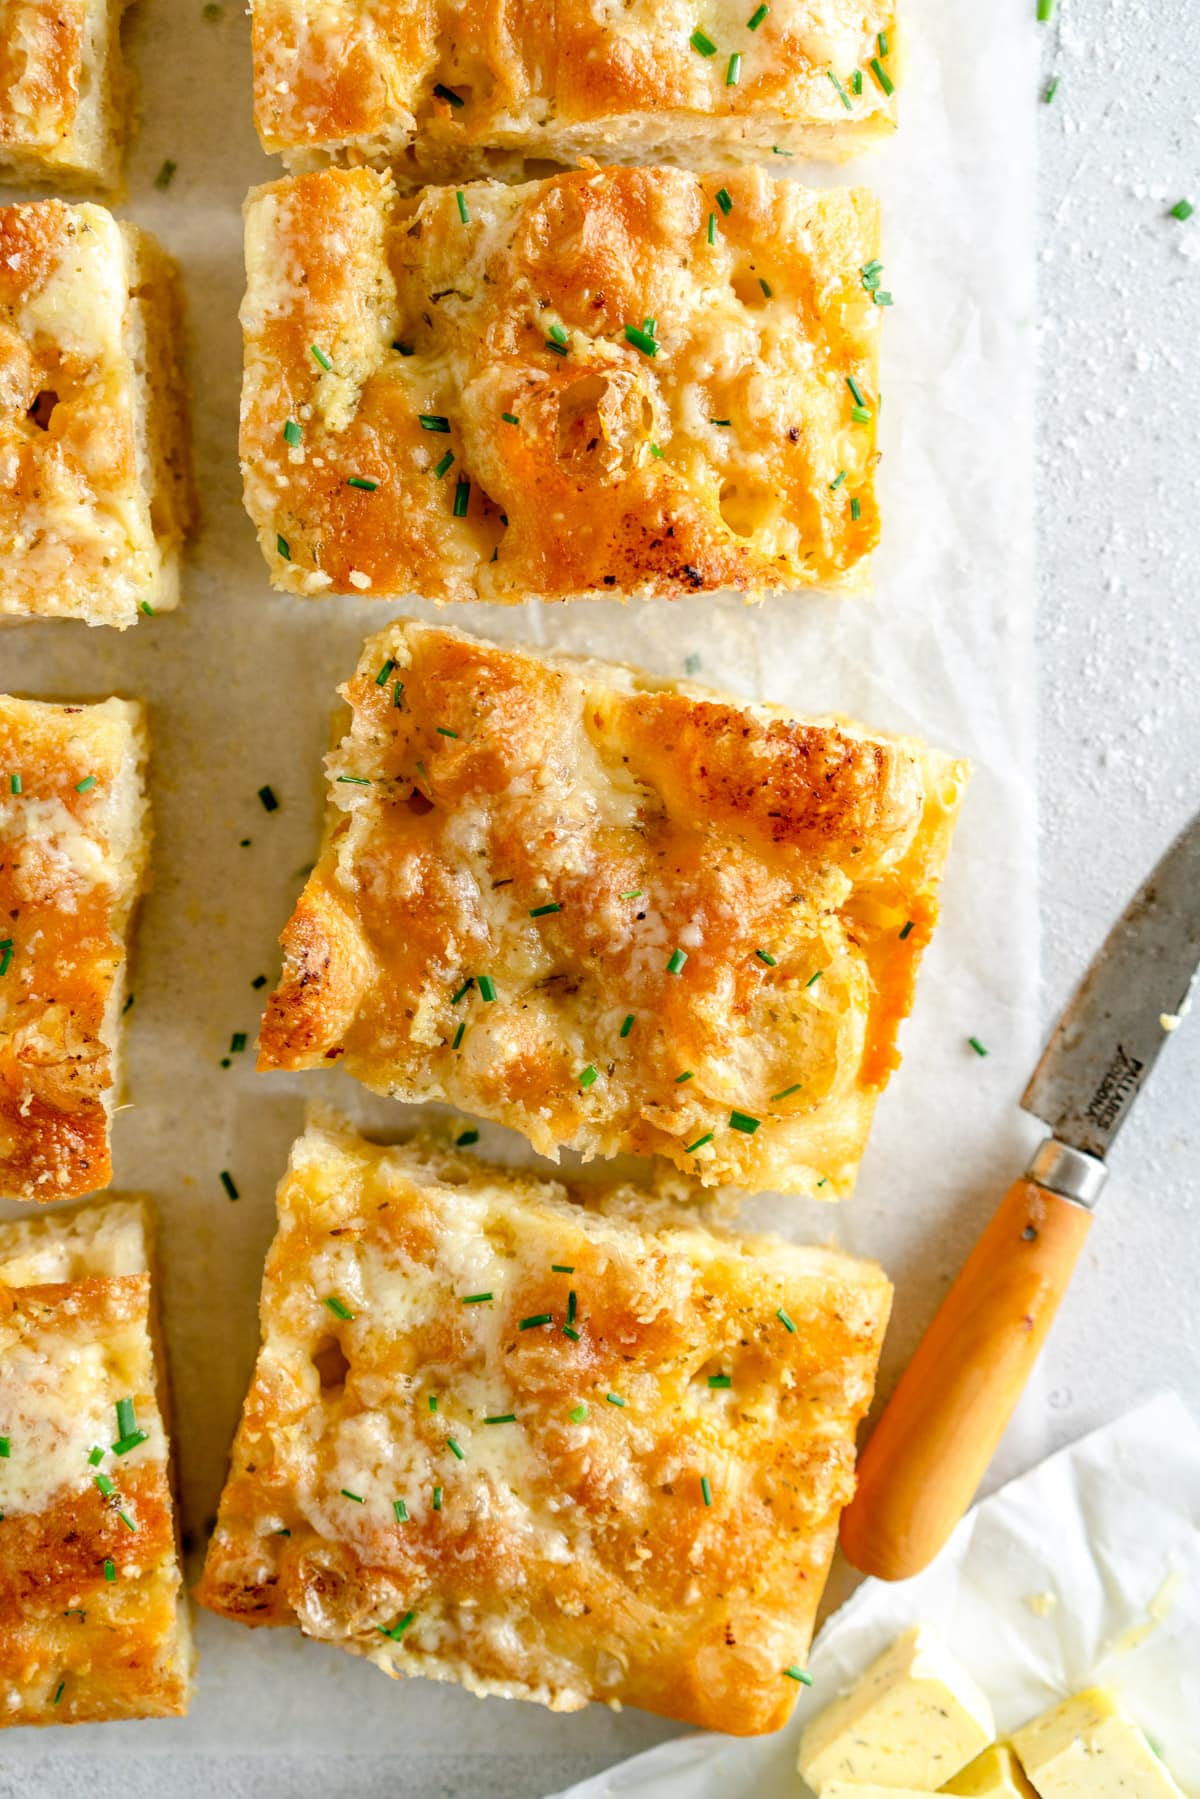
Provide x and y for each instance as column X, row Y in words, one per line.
column 938, row 1432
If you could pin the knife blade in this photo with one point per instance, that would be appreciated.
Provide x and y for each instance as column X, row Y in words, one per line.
column 1110, row 1035
column 941, row 1426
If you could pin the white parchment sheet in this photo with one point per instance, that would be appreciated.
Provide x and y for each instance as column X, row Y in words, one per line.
column 1084, row 1572
column 240, row 684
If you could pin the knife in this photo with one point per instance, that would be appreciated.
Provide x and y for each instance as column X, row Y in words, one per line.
column 937, row 1434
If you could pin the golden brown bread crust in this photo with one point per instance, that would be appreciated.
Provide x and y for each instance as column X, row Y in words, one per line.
column 95, row 486
column 561, row 828
column 667, row 1551
column 440, row 90
column 72, row 864
column 63, row 92
column 77, row 1646
column 728, row 457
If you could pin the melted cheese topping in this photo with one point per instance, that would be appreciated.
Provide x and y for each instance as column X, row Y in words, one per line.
column 62, row 92
column 71, row 867
column 92, row 456
column 565, row 1550
column 653, row 823
column 77, row 1335
column 729, row 454
column 450, row 89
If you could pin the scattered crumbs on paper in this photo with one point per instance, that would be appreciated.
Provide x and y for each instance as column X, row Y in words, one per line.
column 1157, row 1612
column 1042, row 1605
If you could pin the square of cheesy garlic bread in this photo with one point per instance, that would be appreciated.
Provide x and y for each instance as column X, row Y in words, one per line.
column 616, row 913
column 64, row 93
column 74, row 850
column 93, row 1617
column 96, row 498
column 553, row 1450
column 615, row 381
column 441, row 90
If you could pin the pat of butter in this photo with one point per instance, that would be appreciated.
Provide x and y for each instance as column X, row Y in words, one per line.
column 1087, row 1748
column 996, row 1774
column 914, row 1719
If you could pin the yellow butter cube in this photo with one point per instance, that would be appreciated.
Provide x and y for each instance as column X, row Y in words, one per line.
column 914, row 1719
column 996, row 1774
column 1088, row 1748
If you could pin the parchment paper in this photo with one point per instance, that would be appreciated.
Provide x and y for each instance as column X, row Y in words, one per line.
column 240, row 684
column 1084, row 1572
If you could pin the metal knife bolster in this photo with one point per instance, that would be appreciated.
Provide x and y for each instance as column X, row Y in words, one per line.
column 1071, row 1173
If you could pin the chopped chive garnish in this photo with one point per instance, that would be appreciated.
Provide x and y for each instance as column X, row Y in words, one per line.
column 977, row 1046
column 127, row 1521
column 568, row 1330
column 110, row 1569
column 385, row 672
column 742, row 1121
column 502, row 1418
column 86, row 785
column 856, row 82
column 614, row 1399
column 532, row 1323
column 227, row 1182
column 587, row 1076
column 572, row 1305
column 464, row 989
column 269, row 801
column 355, row 780
column 398, row 696
column 882, row 41
column 237, row 1043
column 95, row 1457
column 321, row 358
column 856, row 509
column 433, row 421
column 487, row 988
column 130, row 1442
column 58, row 1692
column 477, row 1299
column 555, row 349
column 705, row 1490
column 447, row 93
column 712, row 227
column 577, row 1413
column 907, row 928
column 126, row 1417
column 456, row 1449
column 6, row 954
column 462, row 496
column 799, row 1674
column 1050, row 89
column 338, row 1307
column 6, row 1449
column 433, row 1402
column 166, row 174
column 461, row 200
column 400, row 1511
column 861, row 415
column 634, row 893
column 756, row 17
column 105, row 1487
column 676, row 961
column 14, row 783
column 1182, row 209
column 786, row 1321
column 814, row 978
column 641, row 340
column 725, row 200
column 445, row 731
column 655, row 451
column 510, row 418
column 721, row 422
column 459, row 1034
column 700, row 41
column 786, row 1092
column 398, row 1628
column 776, row 151
column 562, row 1267
column 855, row 391
column 837, row 480
column 766, row 956
column 691, row 1148
column 689, row 1074
column 361, row 482
column 293, row 433
column 545, row 911
column 282, row 547
column 445, row 462
column 465, row 1139
column 356, row 1497
column 560, row 335
column 650, row 325
column 884, row 79
column 627, row 1024
column 437, row 1499
column 734, row 71
column 768, row 290
column 720, row 1380
column 843, row 96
